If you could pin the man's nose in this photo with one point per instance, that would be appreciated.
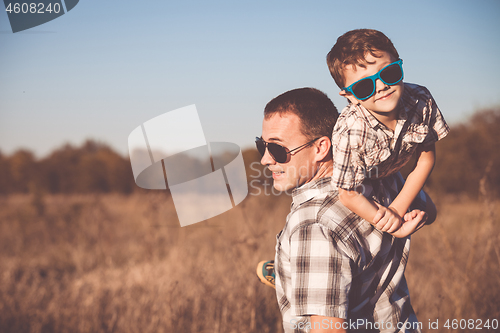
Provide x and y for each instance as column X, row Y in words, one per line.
column 267, row 159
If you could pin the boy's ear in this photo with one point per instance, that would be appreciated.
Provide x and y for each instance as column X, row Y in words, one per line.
column 349, row 96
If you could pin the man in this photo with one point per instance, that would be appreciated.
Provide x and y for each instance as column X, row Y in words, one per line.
column 334, row 271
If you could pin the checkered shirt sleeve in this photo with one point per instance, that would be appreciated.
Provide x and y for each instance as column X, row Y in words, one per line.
column 429, row 112
column 321, row 276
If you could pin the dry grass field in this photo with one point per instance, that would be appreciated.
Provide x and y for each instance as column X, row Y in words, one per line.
column 116, row 263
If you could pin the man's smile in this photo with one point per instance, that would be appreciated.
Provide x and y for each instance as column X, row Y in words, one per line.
column 277, row 174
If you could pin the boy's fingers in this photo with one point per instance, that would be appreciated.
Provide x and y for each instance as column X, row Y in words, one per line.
column 424, row 217
column 378, row 216
column 382, row 223
column 393, row 228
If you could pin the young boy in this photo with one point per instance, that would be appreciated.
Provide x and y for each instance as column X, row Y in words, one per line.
column 385, row 123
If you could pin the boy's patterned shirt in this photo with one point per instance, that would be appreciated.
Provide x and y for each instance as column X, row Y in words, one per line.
column 365, row 148
column 329, row 262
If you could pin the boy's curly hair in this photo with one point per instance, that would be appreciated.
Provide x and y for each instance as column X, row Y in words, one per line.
column 351, row 48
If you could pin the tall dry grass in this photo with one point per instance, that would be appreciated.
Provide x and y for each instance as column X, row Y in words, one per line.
column 113, row 263
column 122, row 264
column 454, row 268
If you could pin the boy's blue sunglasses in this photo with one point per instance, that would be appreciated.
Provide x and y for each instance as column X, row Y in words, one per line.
column 365, row 88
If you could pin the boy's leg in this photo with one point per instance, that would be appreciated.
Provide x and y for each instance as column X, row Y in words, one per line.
column 265, row 272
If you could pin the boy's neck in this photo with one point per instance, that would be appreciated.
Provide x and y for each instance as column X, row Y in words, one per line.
column 389, row 119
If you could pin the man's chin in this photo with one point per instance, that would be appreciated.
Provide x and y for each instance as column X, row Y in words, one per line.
column 281, row 187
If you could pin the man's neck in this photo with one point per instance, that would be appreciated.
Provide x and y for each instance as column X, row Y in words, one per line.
column 325, row 169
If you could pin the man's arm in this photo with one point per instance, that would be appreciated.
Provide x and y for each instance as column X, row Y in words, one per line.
column 320, row 276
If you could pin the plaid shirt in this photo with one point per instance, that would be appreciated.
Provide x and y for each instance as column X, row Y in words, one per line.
column 329, row 262
column 365, row 148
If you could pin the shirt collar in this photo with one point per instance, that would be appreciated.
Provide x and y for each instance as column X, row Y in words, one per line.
column 310, row 190
column 370, row 119
column 408, row 101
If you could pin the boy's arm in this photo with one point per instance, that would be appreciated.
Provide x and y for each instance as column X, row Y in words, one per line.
column 384, row 219
column 426, row 158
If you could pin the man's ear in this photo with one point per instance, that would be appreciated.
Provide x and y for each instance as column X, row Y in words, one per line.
column 323, row 148
column 349, row 96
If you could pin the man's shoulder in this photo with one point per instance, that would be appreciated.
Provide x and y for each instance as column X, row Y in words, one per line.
column 351, row 117
column 327, row 211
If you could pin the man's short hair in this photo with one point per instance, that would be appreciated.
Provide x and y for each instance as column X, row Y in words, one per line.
column 313, row 107
column 351, row 49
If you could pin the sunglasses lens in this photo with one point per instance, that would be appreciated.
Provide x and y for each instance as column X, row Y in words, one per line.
column 363, row 89
column 278, row 152
column 261, row 147
column 392, row 74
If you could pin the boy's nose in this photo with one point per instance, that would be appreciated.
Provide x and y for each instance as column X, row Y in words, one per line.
column 380, row 86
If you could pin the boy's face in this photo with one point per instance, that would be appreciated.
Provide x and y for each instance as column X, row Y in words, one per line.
column 386, row 98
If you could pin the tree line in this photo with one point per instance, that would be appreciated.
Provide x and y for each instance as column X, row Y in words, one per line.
column 468, row 162
column 93, row 167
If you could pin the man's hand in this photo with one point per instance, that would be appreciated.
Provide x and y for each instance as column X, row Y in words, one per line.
column 387, row 219
column 414, row 220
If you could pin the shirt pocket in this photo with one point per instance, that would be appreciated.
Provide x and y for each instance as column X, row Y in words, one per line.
column 415, row 134
column 375, row 155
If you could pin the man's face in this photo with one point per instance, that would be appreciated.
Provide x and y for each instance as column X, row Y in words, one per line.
column 386, row 98
column 300, row 166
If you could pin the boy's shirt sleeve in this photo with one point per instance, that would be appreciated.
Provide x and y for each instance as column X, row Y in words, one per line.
column 432, row 117
column 348, row 162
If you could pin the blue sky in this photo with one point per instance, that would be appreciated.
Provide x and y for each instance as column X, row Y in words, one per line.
column 106, row 67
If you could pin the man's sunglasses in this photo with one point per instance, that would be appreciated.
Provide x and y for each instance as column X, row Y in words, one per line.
column 365, row 88
column 278, row 153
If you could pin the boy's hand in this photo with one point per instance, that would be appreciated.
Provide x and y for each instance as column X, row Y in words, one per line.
column 411, row 215
column 414, row 220
column 387, row 219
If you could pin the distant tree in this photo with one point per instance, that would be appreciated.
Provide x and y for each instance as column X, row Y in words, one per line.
column 470, row 152
column 5, row 178
column 60, row 170
column 94, row 167
column 23, row 171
